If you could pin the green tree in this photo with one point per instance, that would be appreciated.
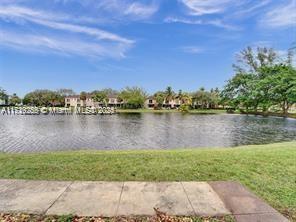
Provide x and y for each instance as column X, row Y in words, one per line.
column 186, row 99
column 261, row 81
column 133, row 97
column 238, row 90
column 201, row 98
column 110, row 91
column 83, row 96
column 280, row 84
column 169, row 94
column 14, row 100
column 101, row 97
column 214, row 98
column 43, row 97
column 159, row 98
column 3, row 95
column 65, row 92
column 250, row 60
column 180, row 93
column 107, row 91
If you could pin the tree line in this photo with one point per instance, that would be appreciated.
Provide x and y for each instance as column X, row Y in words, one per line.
column 263, row 79
column 133, row 97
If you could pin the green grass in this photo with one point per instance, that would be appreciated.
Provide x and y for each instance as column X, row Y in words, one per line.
column 201, row 111
column 268, row 170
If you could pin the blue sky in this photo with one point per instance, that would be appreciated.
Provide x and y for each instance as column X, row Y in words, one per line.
column 93, row 44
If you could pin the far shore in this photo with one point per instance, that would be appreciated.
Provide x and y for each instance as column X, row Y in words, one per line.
column 201, row 111
column 190, row 111
column 205, row 111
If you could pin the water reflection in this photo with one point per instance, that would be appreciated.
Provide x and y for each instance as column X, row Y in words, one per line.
column 140, row 131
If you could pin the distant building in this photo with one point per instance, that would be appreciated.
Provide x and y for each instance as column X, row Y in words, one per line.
column 75, row 101
column 151, row 103
column 113, row 101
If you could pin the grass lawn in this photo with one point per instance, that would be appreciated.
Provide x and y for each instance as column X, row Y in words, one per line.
column 201, row 111
column 268, row 170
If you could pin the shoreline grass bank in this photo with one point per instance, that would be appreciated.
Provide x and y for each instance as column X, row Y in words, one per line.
column 201, row 111
column 267, row 170
column 206, row 111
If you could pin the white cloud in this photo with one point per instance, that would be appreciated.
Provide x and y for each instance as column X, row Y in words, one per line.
column 62, row 46
column 98, row 33
column 192, row 49
column 221, row 24
column 88, row 41
column 281, row 16
column 183, row 20
column 13, row 11
column 46, row 19
column 216, row 22
column 126, row 9
column 201, row 7
column 250, row 10
column 141, row 10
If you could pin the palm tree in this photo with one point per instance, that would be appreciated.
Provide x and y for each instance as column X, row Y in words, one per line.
column 169, row 95
column 83, row 96
column 14, row 100
column 186, row 99
column 179, row 94
column 201, row 98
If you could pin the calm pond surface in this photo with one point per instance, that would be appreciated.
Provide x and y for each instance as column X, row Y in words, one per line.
column 140, row 131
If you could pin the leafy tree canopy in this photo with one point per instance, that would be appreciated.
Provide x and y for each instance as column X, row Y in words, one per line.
column 43, row 97
column 3, row 94
column 262, row 79
column 133, row 97
column 14, row 100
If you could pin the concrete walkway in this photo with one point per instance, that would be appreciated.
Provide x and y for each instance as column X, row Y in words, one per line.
column 134, row 198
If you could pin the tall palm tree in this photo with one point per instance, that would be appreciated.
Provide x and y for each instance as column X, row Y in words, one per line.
column 179, row 94
column 83, row 96
column 169, row 94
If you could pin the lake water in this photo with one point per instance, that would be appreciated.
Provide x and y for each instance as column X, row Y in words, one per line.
column 140, row 131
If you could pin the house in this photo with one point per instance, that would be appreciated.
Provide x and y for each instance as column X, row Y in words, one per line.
column 73, row 101
column 150, row 103
column 113, row 101
column 76, row 101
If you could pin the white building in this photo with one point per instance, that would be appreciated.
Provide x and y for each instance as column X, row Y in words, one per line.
column 151, row 103
column 75, row 101
column 113, row 101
